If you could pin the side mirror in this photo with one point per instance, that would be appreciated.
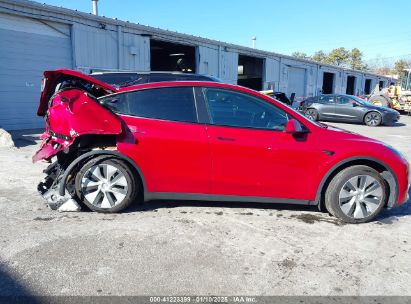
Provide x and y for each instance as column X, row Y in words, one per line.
column 355, row 104
column 293, row 127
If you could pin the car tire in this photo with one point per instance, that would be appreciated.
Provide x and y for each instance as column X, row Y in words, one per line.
column 312, row 114
column 373, row 119
column 356, row 194
column 106, row 184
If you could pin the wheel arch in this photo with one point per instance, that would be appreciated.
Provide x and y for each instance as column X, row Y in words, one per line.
column 386, row 172
column 86, row 156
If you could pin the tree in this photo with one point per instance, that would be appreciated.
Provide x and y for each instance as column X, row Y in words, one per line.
column 338, row 57
column 401, row 65
column 356, row 62
column 300, row 55
column 319, row 56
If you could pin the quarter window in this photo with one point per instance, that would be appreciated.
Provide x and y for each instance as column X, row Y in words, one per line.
column 175, row 104
column 229, row 108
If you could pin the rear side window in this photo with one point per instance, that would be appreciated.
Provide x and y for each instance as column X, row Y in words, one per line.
column 175, row 104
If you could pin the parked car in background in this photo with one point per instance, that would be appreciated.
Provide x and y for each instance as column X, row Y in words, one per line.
column 280, row 96
column 347, row 108
column 124, row 79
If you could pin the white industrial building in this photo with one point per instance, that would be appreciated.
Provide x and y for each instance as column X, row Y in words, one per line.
column 35, row 37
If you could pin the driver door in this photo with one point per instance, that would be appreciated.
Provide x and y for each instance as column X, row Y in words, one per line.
column 251, row 155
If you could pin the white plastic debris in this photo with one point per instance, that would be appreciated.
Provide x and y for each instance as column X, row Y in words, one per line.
column 69, row 206
column 5, row 139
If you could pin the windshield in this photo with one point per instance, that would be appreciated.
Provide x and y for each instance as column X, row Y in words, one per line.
column 361, row 101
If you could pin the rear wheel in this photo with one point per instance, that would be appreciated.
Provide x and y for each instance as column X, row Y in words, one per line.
column 356, row 195
column 373, row 119
column 106, row 185
column 312, row 114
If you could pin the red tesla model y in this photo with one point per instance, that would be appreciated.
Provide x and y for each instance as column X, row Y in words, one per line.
column 206, row 141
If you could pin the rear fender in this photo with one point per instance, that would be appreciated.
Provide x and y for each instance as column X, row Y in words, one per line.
column 73, row 113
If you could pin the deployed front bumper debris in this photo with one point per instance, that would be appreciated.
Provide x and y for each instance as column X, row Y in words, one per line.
column 49, row 190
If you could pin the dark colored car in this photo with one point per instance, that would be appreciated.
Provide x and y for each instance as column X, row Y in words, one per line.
column 208, row 141
column 124, row 79
column 347, row 108
column 280, row 96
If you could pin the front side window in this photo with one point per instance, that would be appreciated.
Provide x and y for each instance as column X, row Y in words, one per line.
column 326, row 99
column 175, row 104
column 342, row 100
column 229, row 108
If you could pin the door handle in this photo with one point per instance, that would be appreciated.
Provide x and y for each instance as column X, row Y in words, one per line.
column 225, row 138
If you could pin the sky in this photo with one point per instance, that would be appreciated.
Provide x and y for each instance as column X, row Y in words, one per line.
column 378, row 28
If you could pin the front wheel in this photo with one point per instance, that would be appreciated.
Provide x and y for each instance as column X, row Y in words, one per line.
column 373, row 119
column 356, row 194
column 106, row 184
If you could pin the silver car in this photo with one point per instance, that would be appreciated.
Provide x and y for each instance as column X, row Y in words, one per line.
column 347, row 108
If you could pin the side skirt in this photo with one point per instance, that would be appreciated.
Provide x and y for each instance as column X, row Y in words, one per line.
column 149, row 196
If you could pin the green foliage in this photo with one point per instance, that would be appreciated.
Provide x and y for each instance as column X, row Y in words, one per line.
column 300, row 55
column 339, row 57
column 356, row 62
column 319, row 56
column 401, row 65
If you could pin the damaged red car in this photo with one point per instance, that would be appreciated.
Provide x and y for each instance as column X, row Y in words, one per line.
column 111, row 147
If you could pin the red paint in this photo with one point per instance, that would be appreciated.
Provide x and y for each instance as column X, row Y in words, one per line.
column 206, row 159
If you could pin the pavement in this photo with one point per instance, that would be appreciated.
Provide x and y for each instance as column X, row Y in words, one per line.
column 196, row 248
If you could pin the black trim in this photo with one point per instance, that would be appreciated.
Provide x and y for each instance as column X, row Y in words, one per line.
column 63, row 182
column 392, row 201
column 218, row 197
column 202, row 112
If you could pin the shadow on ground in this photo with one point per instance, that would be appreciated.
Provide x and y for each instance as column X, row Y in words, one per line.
column 153, row 205
column 389, row 216
column 24, row 138
column 12, row 291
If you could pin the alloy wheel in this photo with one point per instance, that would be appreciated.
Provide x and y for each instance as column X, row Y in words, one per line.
column 360, row 196
column 373, row 119
column 104, row 186
column 311, row 114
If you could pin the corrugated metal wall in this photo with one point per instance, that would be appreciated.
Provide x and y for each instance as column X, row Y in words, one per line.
column 28, row 47
column 229, row 67
column 36, row 37
column 207, row 61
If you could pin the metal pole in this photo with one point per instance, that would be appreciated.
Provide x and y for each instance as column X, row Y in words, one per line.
column 95, row 7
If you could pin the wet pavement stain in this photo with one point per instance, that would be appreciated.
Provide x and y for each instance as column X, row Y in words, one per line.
column 311, row 219
column 43, row 218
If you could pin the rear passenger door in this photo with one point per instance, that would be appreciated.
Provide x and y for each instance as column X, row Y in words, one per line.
column 169, row 145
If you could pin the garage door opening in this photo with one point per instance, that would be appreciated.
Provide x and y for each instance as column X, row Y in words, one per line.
column 328, row 83
column 367, row 86
column 167, row 56
column 250, row 72
column 350, row 85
